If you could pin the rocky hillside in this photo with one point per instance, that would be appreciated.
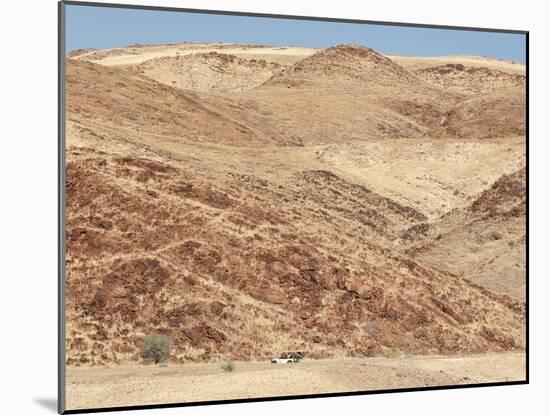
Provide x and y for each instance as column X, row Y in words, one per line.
column 485, row 239
column 241, row 268
column 247, row 206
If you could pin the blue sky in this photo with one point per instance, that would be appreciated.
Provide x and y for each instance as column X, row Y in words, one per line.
column 104, row 27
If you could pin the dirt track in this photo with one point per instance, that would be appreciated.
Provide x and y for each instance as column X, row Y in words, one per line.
column 138, row 385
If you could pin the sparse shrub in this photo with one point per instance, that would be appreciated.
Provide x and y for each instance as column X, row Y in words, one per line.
column 228, row 366
column 156, row 347
column 392, row 353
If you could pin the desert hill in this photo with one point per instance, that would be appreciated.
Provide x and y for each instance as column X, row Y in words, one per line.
column 356, row 72
column 494, row 114
column 271, row 202
column 414, row 63
column 488, row 235
column 283, row 55
column 473, row 80
column 342, row 63
column 209, row 72
column 137, row 54
column 440, row 100
column 123, row 100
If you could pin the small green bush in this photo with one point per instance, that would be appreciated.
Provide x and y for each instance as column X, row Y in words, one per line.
column 392, row 353
column 228, row 366
column 156, row 347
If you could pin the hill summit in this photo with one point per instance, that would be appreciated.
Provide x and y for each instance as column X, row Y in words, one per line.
column 345, row 64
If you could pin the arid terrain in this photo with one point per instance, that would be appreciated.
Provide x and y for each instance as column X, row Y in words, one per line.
column 247, row 200
column 123, row 386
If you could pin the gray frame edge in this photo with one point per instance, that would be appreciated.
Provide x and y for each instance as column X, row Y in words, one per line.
column 61, row 327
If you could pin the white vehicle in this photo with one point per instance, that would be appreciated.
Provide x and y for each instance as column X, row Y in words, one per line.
column 283, row 360
column 288, row 357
